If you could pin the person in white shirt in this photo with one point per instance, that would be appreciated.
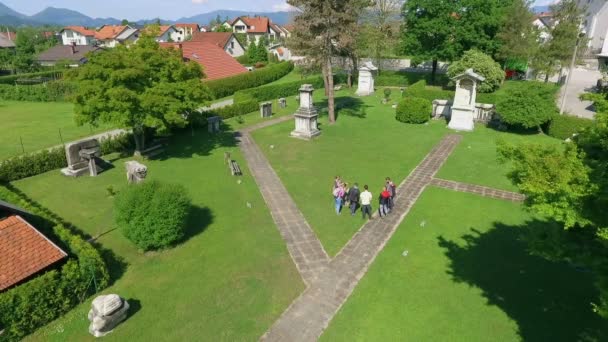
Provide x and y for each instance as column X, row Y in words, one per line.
column 366, row 202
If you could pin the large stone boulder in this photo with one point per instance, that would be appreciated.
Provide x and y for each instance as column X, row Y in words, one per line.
column 106, row 313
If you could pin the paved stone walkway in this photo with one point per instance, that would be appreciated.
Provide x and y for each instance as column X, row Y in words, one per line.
column 310, row 314
column 478, row 189
column 303, row 245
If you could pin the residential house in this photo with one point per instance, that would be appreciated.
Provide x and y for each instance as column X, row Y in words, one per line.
column 544, row 22
column 78, row 35
column 257, row 27
column 215, row 61
column 9, row 35
column 107, row 35
column 74, row 54
column 281, row 52
column 224, row 40
column 596, row 25
column 206, row 28
column 128, row 36
column 166, row 33
column 184, row 32
column 24, row 251
column 6, row 43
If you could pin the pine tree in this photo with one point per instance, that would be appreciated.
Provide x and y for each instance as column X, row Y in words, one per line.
column 518, row 35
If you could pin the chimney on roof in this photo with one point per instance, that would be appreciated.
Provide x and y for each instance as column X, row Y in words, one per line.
column 73, row 47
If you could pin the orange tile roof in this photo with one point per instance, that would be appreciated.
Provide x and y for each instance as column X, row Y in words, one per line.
column 24, row 251
column 216, row 38
column 256, row 24
column 215, row 61
column 9, row 35
column 109, row 31
column 194, row 27
column 80, row 29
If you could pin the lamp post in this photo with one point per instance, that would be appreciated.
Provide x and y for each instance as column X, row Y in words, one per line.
column 578, row 40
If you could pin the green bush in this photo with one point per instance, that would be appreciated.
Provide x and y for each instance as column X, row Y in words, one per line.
column 49, row 92
column 526, row 104
column 406, row 78
column 414, row 110
column 41, row 300
column 275, row 91
column 236, row 109
column 36, row 163
column 420, row 90
column 482, row 64
column 228, row 86
column 244, row 59
column 564, row 126
column 152, row 215
column 10, row 79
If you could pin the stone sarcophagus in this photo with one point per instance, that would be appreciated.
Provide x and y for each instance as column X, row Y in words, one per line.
column 106, row 313
column 83, row 156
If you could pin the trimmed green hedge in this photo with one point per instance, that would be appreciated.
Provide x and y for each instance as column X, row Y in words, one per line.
column 236, row 109
column 406, row 78
column 28, row 306
column 49, row 92
column 564, row 126
column 228, row 86
column 420, row 90
column 36, row 163
column 414, row 110
column 10, row 79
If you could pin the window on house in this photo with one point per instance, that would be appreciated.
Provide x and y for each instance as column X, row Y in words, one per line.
column 69, row 34
column 232, row 45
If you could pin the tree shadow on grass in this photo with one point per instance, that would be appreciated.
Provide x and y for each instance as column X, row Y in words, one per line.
column 188, row 143
column 345, row 105
column 550, row 301
column 198, row 221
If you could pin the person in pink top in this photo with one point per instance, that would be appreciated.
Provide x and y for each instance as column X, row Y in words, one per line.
column 338, row 197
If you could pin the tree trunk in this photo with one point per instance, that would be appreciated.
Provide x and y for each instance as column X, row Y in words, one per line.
column 330, row 95
column 434, row 73
column 547, row 78
column 325, row 81
column 138, row 136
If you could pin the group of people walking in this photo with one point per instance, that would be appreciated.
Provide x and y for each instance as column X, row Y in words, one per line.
column 355, row 198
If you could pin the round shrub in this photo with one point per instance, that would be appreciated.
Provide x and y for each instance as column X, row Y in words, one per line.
column 482, row 64
column 527, row 104
column 414, row 110
column 564, row 126
column 152, row 214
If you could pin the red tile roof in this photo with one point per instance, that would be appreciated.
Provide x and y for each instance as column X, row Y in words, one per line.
column 24, row 251
column 215, row 61
column 256, row 24
column 81, row 29
column 9, row 35
column 216, row 38
column 194, row 27
column 109, row 31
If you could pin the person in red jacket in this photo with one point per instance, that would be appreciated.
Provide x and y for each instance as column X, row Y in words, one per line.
column 385, row 197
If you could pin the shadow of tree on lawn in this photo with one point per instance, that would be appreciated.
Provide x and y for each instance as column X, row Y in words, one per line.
column 550, row 301
column 344, row 105
column 198, row 142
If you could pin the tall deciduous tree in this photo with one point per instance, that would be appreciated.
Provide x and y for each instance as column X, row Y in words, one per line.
column 518, row 36
column 380, row 28
column 141, row 87
column 321, row 28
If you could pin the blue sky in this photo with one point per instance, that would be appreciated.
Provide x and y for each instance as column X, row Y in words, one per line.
column 145, row 9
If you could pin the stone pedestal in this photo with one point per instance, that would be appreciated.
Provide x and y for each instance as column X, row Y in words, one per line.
column 213, row 124
column 282, row 102
column 306, row 117
column 463, row 111
column 365, row 85
column 106, row 313
column 266, row 109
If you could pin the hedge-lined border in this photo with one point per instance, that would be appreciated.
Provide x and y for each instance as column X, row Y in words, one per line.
column 10, row 79
column 228, row 86
column 50, row 92
column 33, row 304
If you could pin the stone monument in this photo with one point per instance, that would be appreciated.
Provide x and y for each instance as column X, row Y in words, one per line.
column 366, row 79
column 213, row 123
column 266, row 109
column 463, row 109
column 83, row 156
column 136, row 172
column 306, row 116
column 106, row 313
column 282, row 102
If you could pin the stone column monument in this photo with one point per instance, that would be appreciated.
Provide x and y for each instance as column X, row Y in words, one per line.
column 306, row 116
column 366, row 79
column 463, row 109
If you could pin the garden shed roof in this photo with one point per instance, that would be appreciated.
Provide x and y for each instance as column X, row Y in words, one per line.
column 24, row 251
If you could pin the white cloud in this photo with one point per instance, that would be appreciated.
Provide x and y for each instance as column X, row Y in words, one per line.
column 200, row 1
column 283, row 7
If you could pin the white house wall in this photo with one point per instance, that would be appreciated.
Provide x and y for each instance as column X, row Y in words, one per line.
column 76, row 37
column 233, row 48
column 596, row 22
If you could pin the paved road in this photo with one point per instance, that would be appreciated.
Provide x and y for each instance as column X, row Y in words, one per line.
column 583, row 80
column 216, row 105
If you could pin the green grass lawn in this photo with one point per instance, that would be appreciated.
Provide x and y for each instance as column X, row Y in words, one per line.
column 228, row 281
column 467, row 277
column 37, row 124
column 475, row 159
column 365, row 146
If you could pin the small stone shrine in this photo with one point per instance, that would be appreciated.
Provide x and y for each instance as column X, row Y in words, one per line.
column 266, row 109
column 306, row 116
column 106, row 313
column 213, row 124
column 463, row 109
column 282, row 102
column 366, row 79
column 83, row 156
column 136, row 172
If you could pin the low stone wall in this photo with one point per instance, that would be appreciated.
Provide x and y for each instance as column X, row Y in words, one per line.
column 483, row 112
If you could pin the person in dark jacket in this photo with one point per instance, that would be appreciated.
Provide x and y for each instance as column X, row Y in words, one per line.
column 390, row 186
column 384, row 199
column 353, row 198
